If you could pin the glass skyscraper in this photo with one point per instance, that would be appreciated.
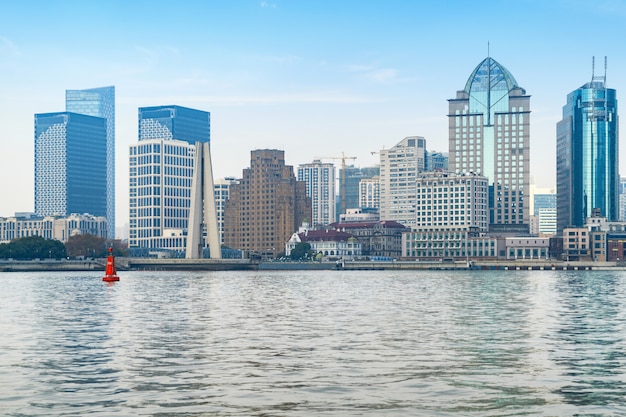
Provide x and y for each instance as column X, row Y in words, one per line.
column 70, row 164
column 489, row 135
column 587, row 160
column 161, row 173
column 174, row 122
column 100, row 102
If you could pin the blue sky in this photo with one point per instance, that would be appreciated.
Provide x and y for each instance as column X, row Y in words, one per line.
column 315, row 78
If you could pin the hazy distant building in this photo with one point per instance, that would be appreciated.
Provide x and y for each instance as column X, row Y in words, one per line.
column 587, row 160
column 489, row 134
column 266, row 207
column 353, row 177
column 399, row 167
column 70, row 164
column 319, row 178
column 100, row 102
column 160, row 176
column 436, row 161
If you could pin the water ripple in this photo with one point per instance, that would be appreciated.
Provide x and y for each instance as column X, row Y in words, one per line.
column 337, row 343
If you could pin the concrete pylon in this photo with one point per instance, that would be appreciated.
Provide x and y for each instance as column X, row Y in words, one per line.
column 202, row 207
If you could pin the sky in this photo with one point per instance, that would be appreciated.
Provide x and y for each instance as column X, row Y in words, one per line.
column 316, row 79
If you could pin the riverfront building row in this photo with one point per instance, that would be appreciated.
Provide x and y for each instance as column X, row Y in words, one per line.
column 479, row 189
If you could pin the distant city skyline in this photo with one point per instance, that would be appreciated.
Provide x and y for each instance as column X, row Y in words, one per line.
column 312, row 79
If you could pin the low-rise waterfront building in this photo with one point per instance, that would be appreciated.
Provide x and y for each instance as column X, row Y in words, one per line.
column 328, row 244
column 380, row 238
column 51, row 227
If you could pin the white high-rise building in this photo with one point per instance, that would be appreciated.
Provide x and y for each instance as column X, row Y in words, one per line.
column 369, row 192
column 399, row 167
column 320, row 186
column 161, row 171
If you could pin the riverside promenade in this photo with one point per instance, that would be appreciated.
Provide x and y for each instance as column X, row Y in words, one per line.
column 171, row 264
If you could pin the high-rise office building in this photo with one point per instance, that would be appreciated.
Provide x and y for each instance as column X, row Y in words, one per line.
column 161, row 173
column 266, row 207
column 489, row 134
column 319, row 178
column 100, row 102
column 70, row 164
column 587, row 163
column 399, row 167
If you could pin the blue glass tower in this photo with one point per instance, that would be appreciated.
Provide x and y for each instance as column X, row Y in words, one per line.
column 587, row 160
column 174, row 122
column 100, row 102
column 70, row 164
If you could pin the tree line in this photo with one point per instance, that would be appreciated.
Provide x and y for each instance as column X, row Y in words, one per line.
column 36, row 247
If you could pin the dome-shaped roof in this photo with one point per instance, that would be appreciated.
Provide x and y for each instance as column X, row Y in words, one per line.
column 489, row 68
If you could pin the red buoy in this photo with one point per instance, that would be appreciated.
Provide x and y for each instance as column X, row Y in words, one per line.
column 110, row 275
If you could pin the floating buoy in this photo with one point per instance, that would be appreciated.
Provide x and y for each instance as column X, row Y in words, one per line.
column 110, row 275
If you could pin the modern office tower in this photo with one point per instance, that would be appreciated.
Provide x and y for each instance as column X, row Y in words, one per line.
column 100, row 102
column 222, row 192
column 320, row 186
column 353, row 177
column 161, row 173
column 399, row 167
column 70, row 164
column 587, row 160
column 369, row 193
column 266, row 207
column 436, row 161
column 489, row 134
column 174, row 122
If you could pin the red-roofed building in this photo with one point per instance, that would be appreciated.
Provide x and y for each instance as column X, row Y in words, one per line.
column 330, row 243
column 382, row 238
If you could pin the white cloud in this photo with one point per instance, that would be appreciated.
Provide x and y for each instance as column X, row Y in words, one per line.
column 265, row 5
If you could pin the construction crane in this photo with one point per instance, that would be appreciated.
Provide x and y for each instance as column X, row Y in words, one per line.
column 342, row 179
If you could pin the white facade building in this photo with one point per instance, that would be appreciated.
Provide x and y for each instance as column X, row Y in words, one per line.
column 369, row 192
column 160, row 178
column 51, row 227
column 222, row 192
column 399, row 167
column 547, row 221
column 319, row 178
column 449, row 201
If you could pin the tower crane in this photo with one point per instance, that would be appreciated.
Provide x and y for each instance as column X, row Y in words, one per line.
column 342, row 179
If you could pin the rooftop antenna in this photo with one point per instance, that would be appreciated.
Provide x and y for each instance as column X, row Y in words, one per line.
column 488, row 53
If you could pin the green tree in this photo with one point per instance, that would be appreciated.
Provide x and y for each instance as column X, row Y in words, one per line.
column 32, row 247
column 301, row 251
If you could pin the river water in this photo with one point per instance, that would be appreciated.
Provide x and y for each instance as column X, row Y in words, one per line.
column 323, row 343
